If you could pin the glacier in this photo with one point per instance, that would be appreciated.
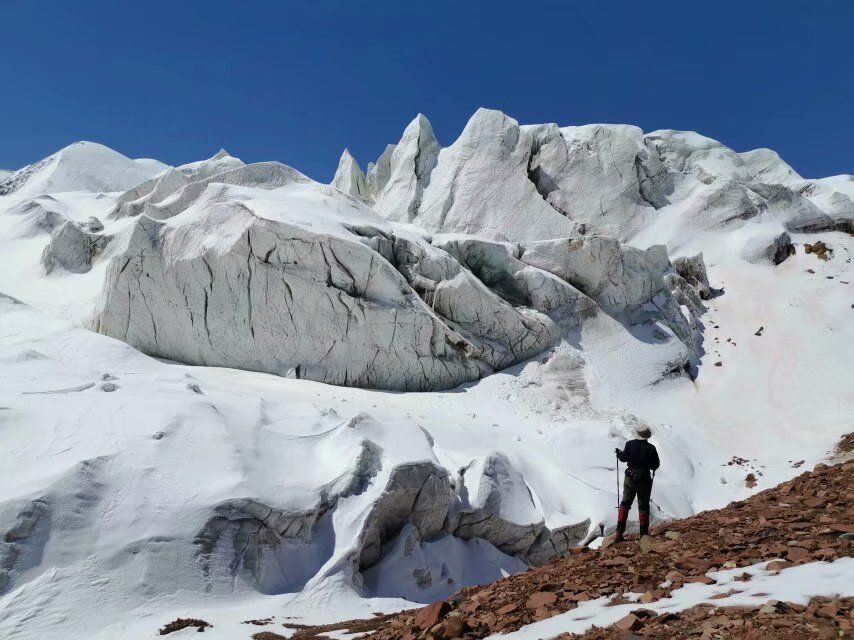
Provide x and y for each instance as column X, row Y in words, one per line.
column 231, row 391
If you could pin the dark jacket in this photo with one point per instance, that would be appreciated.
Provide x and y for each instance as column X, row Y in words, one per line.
column 640, row 456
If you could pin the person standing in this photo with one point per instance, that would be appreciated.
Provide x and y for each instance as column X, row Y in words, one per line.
column 642, row 460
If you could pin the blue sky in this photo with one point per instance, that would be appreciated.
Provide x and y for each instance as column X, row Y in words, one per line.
column 299, row 81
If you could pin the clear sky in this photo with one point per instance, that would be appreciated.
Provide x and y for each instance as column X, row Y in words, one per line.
column 298, row 81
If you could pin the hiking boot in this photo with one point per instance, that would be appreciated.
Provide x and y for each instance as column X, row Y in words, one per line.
column 644, row 524
column 622, row 517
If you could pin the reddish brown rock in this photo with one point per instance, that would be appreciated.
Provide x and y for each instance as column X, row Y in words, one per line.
column 453, row 627
column 796, row 554
column 768, row 526
column 507, row 608
column 431, row 614
column 629, row 623
column 539, row 599
column 615, row 562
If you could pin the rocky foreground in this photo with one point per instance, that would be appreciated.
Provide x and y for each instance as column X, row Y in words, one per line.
column 807, row 519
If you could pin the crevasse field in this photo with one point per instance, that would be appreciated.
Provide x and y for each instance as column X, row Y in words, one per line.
column 228, row 391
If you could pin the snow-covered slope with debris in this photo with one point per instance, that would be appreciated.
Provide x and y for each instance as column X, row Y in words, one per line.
column 553, row 272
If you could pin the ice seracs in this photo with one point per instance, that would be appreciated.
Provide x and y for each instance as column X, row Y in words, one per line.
column 221, row 161
column 766, row 166
column 72, row 247
column 378, row 173
column 229, row 284
column 536, row 182
column 604, row 177
column 290, row 277
column 480, row 185
column 349, row 177
column 544, row 282
column 410, row 168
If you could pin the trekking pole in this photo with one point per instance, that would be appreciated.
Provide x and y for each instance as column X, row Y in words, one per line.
column 618, row 483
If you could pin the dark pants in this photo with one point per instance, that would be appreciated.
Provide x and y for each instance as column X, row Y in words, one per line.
column 640, row 485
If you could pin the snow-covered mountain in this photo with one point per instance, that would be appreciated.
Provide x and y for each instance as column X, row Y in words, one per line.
column 229, row 388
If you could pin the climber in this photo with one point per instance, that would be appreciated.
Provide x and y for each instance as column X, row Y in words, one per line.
column 642, row 458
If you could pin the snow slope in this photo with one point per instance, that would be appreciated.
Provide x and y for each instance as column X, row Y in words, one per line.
column 157, row 489
column 82, row 166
